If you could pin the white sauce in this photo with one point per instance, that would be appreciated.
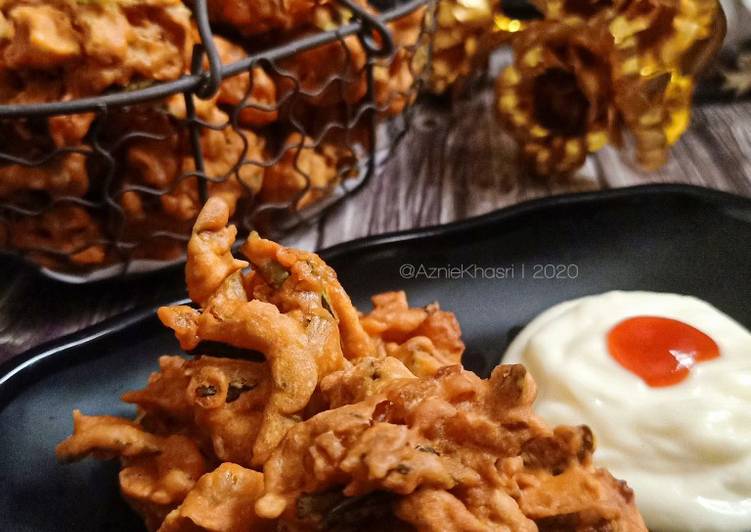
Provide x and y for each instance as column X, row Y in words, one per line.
column 685, row 449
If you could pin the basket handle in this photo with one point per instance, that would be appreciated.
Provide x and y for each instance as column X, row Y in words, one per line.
column 382, row 47
column 211, row 80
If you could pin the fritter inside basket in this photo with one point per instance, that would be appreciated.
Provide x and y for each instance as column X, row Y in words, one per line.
column 57, row 50
column 315, row 417
column 61, row 50
column 253, row 17
column 284, row 132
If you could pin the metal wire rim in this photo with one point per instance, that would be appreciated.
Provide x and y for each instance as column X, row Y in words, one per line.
column 205, row 83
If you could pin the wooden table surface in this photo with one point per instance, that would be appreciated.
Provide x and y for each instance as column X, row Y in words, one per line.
column 454, row 163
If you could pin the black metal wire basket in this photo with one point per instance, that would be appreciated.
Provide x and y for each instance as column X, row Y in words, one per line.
column 282, row 125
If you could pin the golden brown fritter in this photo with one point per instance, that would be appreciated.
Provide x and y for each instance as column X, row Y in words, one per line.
column 333, row 73
column 64, row 175
column 59, row 50
column 63, row 228
column 365, row 378
column 219, row 401
column 56, row 50
column 252, row 17
column 166, row 163
column 475, row 510
column 96, row 44
column 280, row 314
column 63, row 49
column 221, row 501
column 395, row 77
column 295, row 280
column 425, row 339
column 106, row 437
column 292, row 309
column 158, row 471
column 394, row 83
column 256, row 91
column 462, row 454
column 304, row 173
column 326, row 75
column 364, row 422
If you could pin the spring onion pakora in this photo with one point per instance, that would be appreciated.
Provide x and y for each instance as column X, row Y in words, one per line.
column 333, row 418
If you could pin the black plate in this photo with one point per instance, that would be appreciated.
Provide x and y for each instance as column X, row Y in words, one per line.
column 663, row 238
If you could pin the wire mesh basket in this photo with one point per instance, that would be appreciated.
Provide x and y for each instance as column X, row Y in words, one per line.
column 115, row 130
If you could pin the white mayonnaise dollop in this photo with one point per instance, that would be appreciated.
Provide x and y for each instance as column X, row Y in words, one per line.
column 685, row 449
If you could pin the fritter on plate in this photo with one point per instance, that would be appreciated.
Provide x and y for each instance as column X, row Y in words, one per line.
column 356, row 421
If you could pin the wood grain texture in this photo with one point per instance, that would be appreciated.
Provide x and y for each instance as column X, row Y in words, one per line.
column 454, row 163
column 458, row 162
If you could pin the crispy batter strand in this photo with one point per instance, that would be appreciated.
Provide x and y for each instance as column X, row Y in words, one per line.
column 424, row 339
column 221, row 501
column 296, row 346
column 467, row 454
column 219, row 401
column 158, row 471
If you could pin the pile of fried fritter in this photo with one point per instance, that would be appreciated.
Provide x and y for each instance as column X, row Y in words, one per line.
column 335, row 420
column 280, row 132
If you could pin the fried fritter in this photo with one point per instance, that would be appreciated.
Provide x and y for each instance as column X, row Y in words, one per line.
column 394, row 82
column 424, row 339
column 303, row 174
column 294, row 280
column 63, row 228
column 333, row 73
column 64, row 175
column 59, row 50
column 106, row 437
column 359, row 422
column 281, row 314
column 97, row 44
column 56, row 50
column 221, row 501
column 256, row 91
column 219, row 401
column 158, row 471
column 326, row 75
column 165, row 163
column 365, row 378
column 476, row 510
column 462, row 453
column 395, row 77
column 252, row 17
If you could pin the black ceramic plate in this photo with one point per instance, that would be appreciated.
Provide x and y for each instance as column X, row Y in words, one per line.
column 496, row 272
